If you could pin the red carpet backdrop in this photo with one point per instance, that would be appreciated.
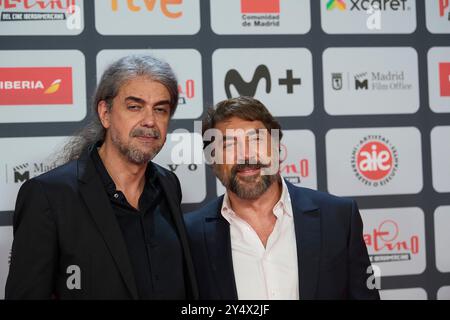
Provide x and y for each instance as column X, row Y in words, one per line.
column 361, row 88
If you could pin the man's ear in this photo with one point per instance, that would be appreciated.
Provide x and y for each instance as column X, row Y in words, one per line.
column 104, row 113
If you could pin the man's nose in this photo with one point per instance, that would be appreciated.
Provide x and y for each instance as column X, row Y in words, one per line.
column 247, row 149
column 148, row 119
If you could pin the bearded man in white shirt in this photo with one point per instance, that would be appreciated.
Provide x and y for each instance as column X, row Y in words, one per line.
column 266, row 238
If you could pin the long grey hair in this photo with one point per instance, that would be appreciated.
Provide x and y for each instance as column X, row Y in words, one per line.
column 114, row 77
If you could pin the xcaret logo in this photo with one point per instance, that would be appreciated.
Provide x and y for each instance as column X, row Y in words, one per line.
column 34, row 10
column 444, row 79
column 385, row 245
column 36, row 86
column 367, row 5
column 167, row 7
column 374, row 161
column 336, row 4
column 294, row 172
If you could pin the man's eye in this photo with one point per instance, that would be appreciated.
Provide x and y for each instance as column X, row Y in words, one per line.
column 161, row 110
column 134, row 107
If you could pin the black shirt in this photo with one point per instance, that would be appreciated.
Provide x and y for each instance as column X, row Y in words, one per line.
column 153, row 245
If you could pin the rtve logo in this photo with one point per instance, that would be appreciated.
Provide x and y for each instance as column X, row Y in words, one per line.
column 168, row 7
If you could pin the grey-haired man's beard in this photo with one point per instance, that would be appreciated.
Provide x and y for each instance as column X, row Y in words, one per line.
column 134, row 153
column 249, row 187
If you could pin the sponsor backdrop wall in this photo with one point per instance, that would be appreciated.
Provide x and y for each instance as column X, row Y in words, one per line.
column 362, row 89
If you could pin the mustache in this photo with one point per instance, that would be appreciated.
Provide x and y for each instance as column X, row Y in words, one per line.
column 146, row 132
column 248, row 165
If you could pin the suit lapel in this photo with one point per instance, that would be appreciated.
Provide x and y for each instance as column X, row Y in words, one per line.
column 179, row 225
column 92, row 191
column 308, row 238
column 218, row 244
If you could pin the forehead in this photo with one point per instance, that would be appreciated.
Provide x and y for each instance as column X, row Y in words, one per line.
column 145, row 88
column 234, row 123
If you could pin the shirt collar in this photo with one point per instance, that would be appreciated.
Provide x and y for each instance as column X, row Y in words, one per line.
column 110, row 186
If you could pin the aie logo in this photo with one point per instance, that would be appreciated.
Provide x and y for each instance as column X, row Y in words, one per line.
column 385, row 246
column 374, row 161
column 233, row 78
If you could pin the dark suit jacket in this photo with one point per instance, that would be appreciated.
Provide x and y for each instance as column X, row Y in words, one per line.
column 64, row 218
column 332, row 256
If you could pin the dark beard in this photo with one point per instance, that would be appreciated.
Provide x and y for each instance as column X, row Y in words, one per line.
column 250, row 187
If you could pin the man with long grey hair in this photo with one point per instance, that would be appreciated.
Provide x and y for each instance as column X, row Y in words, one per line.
column 107, row 224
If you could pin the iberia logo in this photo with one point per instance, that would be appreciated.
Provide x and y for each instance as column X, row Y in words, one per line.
column 260, row 6
column 374, row 161
column 336, row 4
column 36, row 86
column 385, row 244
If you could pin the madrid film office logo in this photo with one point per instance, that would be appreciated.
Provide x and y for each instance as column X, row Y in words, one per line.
column 25, row 171
column 260, row 13
column 375, row 81
column 374, row 161
column 42, row 10
column 262, row 73
column 361, row 81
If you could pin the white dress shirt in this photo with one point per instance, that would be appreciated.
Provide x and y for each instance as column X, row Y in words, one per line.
column 265, row 273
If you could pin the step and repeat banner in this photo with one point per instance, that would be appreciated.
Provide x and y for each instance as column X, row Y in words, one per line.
column 361, row 88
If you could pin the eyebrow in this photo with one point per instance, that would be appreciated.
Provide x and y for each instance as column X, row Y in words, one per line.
column 142, row 101
column 250, row 133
